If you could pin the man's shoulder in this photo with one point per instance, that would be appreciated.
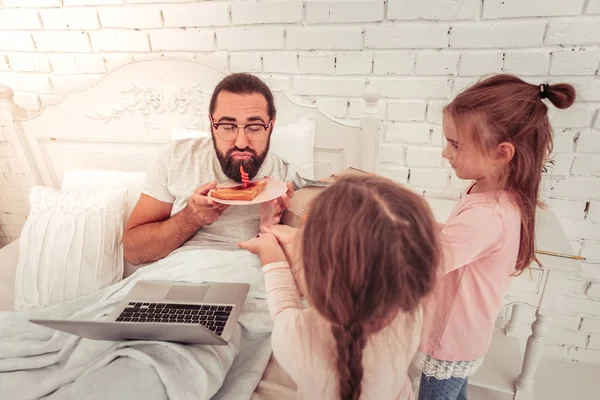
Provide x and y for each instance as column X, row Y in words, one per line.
column 278, row 168
column 276, row 160
column 180, row 154
column 276, row 163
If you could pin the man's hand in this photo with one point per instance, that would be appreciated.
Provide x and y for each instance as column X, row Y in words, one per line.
column 271, row 211
column 266, row 247
column 201, row 209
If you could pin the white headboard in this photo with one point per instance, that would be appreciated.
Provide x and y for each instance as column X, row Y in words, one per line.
column 120, row 122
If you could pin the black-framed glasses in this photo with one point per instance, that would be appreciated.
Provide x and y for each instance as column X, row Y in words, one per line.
column 228, row 131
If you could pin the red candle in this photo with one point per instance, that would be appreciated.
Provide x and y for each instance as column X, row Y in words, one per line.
column 245, row 176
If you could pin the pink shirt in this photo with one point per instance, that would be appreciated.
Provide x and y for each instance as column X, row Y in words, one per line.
column 306, row 349
column 480, row 243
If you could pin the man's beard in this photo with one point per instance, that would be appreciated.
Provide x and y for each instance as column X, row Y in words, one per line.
column 231, row 166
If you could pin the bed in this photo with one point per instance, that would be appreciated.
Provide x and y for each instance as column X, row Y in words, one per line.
column 96, row 135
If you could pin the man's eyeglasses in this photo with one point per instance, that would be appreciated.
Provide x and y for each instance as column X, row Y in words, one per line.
column 228, row 131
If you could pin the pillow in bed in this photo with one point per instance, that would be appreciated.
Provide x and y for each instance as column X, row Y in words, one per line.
column 70, row 245
column 295, row 144
column 78, row 180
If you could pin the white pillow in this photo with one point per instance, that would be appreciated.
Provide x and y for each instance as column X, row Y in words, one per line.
column 102, row 179
column 185, row 133
column 293, row 143
column 70, row 246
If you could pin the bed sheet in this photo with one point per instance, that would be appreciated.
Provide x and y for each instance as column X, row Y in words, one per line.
column 274, row 385
column 9, row 255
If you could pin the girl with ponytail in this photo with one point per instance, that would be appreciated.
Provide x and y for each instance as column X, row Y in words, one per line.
column 365, row 258
column 498, row 135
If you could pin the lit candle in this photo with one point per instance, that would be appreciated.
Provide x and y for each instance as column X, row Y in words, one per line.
column 245, row 176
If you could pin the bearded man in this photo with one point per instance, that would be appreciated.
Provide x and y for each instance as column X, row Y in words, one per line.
column 174, row 212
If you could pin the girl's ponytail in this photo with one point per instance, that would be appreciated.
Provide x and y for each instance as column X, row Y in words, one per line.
column 351, row 341
column 562, row 95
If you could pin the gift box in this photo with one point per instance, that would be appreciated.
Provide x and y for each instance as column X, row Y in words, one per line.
column 296, row 214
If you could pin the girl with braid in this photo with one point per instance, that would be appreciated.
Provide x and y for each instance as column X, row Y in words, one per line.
column 365, row 258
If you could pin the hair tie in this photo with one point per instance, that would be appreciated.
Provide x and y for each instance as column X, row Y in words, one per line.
column 544, row 90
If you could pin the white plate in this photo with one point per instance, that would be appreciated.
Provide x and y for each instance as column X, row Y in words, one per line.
column 273, row 190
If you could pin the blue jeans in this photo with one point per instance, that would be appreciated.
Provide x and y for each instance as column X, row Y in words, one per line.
column 446, row 389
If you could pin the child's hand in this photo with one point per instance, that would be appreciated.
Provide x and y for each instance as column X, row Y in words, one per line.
column 266, row 247
column 286, row 236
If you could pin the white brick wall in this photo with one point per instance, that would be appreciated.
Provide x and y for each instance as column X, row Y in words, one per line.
column 62, row 41
column 324, row 38
column 117, row 40
column 527, row 63
column 423, row 35
column 195, row 15
column 317, row 63
column 437, row 63
column 243, row 62
column 252, row 12
column 33, row 3
column 407, row 133
column 16, row 18
column 588, row 143
column 406, row 110
column 176, row 39
column 497, row 34
column 531, row 8
column 280, row 62
column 315, row 86
column 70, row 18
column 593, row 213
column 16, row 41
column 360, row 11
column 133, row 17
column 423, row 157
column 573, row 31
column 66, row 64
column 583, row 61
column 354, row 63
column 24, row 62
column 417, row 53
column 413, row 88
column 593, row 7
column 434, row 10
column 250, row 38
column 481, row 63
column 401, row 63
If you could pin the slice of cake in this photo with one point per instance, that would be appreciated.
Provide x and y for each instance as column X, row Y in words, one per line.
column 240, row 192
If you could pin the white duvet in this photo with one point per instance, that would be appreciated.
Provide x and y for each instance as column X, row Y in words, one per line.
column 38, row 362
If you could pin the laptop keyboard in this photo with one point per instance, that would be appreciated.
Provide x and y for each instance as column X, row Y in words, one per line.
column 213, row 317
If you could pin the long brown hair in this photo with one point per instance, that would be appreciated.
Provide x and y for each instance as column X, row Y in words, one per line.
column 504, row 108
column 370, row 250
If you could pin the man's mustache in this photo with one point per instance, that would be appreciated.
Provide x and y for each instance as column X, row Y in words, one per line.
column 238, row 150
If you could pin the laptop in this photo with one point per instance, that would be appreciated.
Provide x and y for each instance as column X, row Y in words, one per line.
column 195, row 313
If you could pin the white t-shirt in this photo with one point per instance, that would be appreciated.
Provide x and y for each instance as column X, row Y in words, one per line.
column 185, row 165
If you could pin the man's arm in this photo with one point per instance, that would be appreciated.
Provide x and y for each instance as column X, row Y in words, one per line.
column 151, row 233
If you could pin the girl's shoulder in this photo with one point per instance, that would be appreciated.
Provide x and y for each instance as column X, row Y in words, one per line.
column 499, row 206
